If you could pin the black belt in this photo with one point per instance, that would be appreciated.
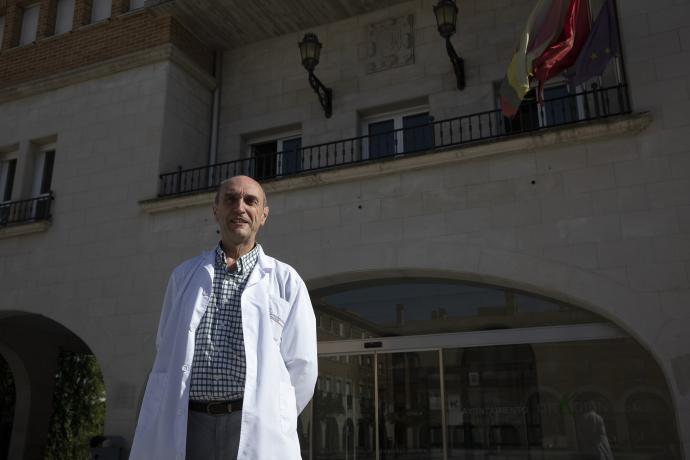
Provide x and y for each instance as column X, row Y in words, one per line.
column 216, row 407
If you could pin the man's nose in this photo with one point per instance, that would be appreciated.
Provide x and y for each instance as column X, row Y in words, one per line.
column 238, row 204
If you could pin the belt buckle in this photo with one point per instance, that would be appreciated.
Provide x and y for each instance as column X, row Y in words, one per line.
column 219, row 404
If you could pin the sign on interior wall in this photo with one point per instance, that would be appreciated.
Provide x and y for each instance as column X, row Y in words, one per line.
column 391, row 43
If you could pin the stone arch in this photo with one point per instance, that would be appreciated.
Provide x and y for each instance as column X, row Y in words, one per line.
column 496, row 267
column 633, row 312
column 32, row 343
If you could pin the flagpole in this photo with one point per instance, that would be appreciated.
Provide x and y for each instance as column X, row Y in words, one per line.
column 624, row 74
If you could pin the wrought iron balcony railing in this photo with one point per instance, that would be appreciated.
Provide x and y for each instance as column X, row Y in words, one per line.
column 434, row 135
column 26, row 211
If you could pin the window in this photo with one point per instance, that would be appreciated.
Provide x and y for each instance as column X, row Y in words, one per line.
column 394, row 134
column 8, row 168
column 29, row 24
column 559, row 108
column 43, row 178
column 136, row 4
column 2, row 29
column 277, row 157
column 43, row 171
column 63, row 17
column 100, row 10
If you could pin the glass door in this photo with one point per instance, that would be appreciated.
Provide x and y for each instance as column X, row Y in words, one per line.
column 342, row 412
column 375, row 406
column 550, row 393
column 410, row 420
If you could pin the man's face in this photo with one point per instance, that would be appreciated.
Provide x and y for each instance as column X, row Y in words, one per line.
column 240, row 210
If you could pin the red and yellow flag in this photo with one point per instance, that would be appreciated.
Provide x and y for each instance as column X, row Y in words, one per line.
column 554, row 35
column 563, row 52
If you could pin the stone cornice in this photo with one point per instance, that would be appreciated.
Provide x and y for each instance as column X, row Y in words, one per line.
column 24, row 229
column 580, row 132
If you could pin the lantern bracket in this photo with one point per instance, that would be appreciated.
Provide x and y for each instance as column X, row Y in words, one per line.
column 325, row 94
column 458, row 65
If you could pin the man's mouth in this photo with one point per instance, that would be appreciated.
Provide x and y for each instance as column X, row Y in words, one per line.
column 238, row 220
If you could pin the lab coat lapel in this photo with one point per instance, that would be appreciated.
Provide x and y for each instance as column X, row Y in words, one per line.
column 206, row 286
column 264, row 265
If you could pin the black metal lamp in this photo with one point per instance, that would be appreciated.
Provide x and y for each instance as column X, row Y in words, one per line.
column 310, row 51
column 446, row 12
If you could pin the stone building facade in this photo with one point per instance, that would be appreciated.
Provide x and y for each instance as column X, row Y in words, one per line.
column 457, row 283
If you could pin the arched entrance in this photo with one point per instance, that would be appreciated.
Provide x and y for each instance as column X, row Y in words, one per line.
column 444, row 369
column 8, row 395
column 59, row 399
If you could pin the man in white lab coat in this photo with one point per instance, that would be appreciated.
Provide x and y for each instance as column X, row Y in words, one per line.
column 236, row 348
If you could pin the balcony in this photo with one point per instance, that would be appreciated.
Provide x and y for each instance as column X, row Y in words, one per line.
column 427, row 138
column 25, row 216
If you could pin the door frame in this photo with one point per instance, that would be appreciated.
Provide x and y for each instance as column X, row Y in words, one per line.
column 527, row 335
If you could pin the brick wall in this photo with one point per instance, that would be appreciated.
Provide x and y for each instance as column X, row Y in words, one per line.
column 46, row 19
column 87, row 44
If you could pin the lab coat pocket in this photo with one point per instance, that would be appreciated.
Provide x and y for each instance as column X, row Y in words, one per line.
column 288, row 407
column 155, row 390
column 277, row 311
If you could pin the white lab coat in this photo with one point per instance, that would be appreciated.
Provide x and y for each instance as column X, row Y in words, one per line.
column 280, row 347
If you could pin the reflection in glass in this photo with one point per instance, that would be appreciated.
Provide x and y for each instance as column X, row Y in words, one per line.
column 399, row 307
column 410, row 425
column 343, row 404
column 603, row 399
column 486, row 392
column 304, row 430
column 600, row 399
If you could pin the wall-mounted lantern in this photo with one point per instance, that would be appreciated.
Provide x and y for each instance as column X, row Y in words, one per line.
column 310, row 50
column 446, row 12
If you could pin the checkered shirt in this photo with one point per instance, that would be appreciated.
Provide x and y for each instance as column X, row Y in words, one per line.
column 219, row 367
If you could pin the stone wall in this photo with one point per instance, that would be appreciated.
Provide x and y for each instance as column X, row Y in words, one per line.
column 265, row 86
column 101, row 267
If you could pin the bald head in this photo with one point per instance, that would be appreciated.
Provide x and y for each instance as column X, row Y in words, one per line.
column 240, row 180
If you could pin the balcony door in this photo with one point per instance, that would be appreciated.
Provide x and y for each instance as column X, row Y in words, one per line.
column 8, row 168
column 397, row 133
column 43, row 180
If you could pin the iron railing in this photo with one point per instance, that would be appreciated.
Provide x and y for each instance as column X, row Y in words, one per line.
column 435, row 135
column 26, row 211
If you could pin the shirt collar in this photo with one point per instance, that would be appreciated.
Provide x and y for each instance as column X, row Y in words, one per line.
column 245, row 262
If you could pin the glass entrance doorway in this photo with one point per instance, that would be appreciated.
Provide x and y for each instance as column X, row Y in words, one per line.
column 399, row 384
column 553, row 400
column 383, row 406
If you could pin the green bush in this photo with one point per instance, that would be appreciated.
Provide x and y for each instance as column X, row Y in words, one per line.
column 78, row 407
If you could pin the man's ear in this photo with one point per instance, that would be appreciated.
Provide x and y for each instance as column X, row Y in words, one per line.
column 265, row 215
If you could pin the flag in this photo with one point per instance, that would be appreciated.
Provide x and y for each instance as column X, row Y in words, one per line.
column 544, row 24
column 601, row 46
column 563, row 52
